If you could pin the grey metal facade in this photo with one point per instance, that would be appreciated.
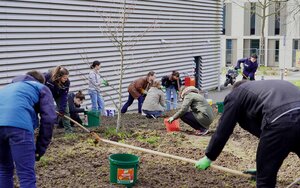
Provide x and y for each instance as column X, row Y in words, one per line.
column 41, row 34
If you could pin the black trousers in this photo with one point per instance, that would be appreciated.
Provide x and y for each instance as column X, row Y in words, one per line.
column 190, row 119
column 277, row 140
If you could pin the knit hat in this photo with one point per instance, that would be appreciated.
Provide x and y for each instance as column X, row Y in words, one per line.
column 187, row 90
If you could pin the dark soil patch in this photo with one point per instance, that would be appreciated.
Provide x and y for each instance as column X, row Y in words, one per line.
column 76, row 161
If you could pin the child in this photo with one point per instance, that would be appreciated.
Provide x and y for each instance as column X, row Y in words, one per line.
column 57, row 80
column 154, row 103
column 172, row 84
column 137, row 89
column 94, row 88
column 20, row 104
column 74, row 101
column 201, row 114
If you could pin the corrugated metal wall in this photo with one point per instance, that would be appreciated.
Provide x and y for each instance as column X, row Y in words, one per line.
column 41, row 34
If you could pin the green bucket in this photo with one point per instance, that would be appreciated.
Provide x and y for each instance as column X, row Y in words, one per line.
column 123, row 168
column 93, row 118
column 220, row 106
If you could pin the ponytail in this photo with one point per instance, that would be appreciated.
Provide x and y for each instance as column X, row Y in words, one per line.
column 57, row 73
column 80, row 95
column 94, row 64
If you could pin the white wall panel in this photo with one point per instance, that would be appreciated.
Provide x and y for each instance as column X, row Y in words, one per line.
column 36, row 34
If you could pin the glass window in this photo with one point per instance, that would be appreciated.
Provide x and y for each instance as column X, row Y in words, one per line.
column 254, row 46
column 296, row 44
column 252, row 19
column 224, row 18
column 277, row 51
column 228, row 51
column 277, row 18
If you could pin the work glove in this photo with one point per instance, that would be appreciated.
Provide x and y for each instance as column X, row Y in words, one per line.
column 37, row 157
column 251, row 171
column 236, row 68
column 171, row 119
column 105, row 82
column 203, row 163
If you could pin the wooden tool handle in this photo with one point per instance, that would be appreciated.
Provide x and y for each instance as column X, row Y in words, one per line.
column 97, row 137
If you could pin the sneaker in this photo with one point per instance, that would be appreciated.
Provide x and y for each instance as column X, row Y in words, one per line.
column 201, row 133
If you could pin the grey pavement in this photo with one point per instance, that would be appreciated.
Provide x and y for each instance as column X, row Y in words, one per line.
column 218, row 96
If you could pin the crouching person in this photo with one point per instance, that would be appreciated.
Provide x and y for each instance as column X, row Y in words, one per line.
column 154, row 103
column 20, row 104
column 201, row 115
column 75, row 101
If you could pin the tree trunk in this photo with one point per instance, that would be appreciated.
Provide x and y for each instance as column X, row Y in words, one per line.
column 121, row 50
column 262, row 36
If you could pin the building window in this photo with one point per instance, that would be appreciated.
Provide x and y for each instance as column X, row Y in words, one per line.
column 254, row 46
column 296, row 44
column 252, row 19
column 277, row 18
column 224, row 18
column 277, row 51
column 228, row 52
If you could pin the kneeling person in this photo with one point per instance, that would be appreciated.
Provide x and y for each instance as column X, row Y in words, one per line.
column 154, row 103
column 201, row 114
column 74, row 101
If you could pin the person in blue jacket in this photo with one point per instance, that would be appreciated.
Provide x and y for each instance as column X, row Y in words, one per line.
column 57, row 80
column 250, row 67
column 20, row 103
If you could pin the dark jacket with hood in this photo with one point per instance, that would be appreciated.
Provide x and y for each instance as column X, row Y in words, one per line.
column 21, row 101
column 254, row 105
column 57, row 91
column 74, row 109
column 249, row 67
column 165, row 81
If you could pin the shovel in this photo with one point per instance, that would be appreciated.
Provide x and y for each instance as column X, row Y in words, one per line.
column 98, row 139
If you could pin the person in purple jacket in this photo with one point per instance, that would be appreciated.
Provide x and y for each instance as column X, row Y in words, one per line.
column 57, row 80
column 20, row 103
column 250, row 67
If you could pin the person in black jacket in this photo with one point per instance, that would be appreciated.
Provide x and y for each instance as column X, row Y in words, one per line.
column 268, row 109
column 57, row 80
column 74, row 101
column 172, row 83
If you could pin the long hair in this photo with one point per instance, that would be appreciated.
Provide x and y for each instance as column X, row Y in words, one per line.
column 175, row 73
column 58, row 73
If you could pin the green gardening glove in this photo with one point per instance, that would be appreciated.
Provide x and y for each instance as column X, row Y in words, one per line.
column 251, row 171
column 203, row 163
column 105, row 82
column 171, row 119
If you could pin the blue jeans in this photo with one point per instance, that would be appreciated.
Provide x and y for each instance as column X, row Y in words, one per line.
column 17, row 147
column 169, row 91
column 130, row 101
column 97, row 101
column 156, row 114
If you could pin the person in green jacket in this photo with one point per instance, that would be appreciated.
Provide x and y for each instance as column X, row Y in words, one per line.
column 201, row 114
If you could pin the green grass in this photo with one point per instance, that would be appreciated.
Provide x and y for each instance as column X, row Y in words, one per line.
column 71, row 136
column 150, row 139
column 45, row 161
column 111, row 132
column 296, row 83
